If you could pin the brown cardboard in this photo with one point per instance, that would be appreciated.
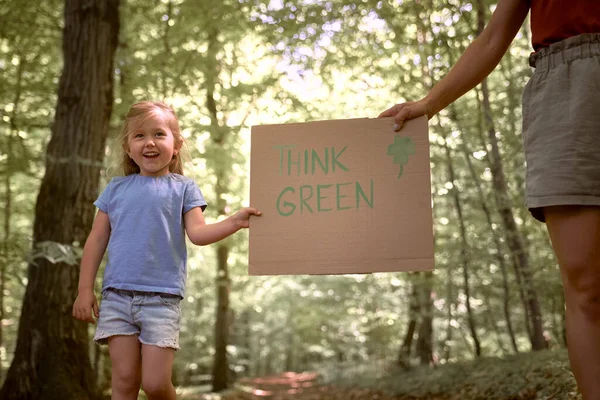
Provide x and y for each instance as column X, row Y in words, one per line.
column 384, row 222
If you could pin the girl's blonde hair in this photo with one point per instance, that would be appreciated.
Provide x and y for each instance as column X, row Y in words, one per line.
column 140, row 112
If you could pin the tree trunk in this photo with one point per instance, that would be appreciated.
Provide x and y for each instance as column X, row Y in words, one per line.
column 425, row 340
column 245, row 340
column 556, row 325
column 514, row 239
column 4, row 260
column 218, row 137
column 490, row 318
column 268, row 366
column 163, row 81
column 290, row 333
column 220, row 364
column 487, row 212
column 51, row 360
column 499, row 252
column 403, row 359
column 464, row 248
column 497, row 243
column 450, row 299
column 289, row 354
column 5, row 248
column 563, row 314
column 514, row 260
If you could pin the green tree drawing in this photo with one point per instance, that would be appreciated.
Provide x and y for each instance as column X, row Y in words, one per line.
column 401, row 150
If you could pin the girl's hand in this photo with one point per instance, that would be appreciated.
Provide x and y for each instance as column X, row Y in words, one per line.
column 405, row 111
column 241, row 218
column 86, row 306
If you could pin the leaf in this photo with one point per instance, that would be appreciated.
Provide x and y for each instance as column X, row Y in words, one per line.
column 401, row 150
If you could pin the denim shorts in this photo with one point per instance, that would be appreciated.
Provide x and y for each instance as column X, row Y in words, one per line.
column 561, row 125
column 154, row 317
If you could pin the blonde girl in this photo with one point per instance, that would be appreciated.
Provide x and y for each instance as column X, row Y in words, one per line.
column 142, row 219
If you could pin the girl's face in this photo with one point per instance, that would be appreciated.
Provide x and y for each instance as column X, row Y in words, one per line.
column 151, row 145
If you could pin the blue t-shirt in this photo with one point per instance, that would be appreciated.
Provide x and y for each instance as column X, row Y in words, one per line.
column 146, row 249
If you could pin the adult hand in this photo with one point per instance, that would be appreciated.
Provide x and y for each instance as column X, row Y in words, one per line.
column 405, row 111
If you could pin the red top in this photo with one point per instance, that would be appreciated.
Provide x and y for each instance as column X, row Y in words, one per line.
column 555, row 20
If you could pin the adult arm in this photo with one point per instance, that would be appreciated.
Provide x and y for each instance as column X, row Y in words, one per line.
column 476, row 63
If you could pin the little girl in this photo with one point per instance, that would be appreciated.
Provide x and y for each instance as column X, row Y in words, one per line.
column 142, row 218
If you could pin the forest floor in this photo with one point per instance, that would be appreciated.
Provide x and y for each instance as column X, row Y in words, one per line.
column 530, row 376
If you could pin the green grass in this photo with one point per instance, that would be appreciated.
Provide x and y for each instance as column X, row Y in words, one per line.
column 536, row 375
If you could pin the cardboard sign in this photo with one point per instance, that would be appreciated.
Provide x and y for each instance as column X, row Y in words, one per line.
column 342, row 196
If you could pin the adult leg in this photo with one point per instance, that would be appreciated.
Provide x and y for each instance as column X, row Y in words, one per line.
column 575, row 235
column 125, row 358
column 157, row 364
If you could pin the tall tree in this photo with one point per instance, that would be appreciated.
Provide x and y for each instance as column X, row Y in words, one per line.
column 425, row 339
column 499, row 256
column 219, row 134
column 51, row 360
column 515, row 240
column 403, row 359
column 465, row 257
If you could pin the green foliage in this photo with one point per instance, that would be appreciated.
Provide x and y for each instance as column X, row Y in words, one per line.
column 29, row 68
column 527, row 376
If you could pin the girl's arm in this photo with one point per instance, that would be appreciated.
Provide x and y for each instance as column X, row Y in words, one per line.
column 476, row 63
column 202, row 234
column 94, row 249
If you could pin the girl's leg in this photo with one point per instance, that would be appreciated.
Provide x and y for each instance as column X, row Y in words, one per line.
column 125, row 358
column 157, row 364
column 575, row 235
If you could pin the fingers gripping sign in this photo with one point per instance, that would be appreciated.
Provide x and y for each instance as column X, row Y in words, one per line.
column 242, row 217
column 405, row 111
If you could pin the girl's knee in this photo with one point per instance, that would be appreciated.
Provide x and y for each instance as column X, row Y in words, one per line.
column 157, row 388
column 126, row 382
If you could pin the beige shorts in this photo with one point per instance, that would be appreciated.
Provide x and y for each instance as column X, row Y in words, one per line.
column 561, row 125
